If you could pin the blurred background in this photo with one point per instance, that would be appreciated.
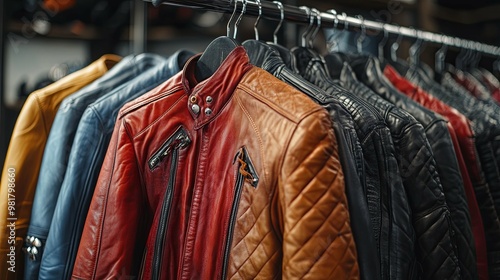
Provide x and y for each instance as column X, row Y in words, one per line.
column 44, row 40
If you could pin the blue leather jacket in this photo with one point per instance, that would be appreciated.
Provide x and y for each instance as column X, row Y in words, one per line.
column 67, row 139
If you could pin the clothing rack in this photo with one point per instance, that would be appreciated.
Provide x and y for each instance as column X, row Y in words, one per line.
column 298, row 15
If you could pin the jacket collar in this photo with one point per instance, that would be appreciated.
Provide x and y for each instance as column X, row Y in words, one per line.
column 206, row 99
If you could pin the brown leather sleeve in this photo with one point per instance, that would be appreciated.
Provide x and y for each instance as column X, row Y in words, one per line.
column 317, row 237
column 111, row 230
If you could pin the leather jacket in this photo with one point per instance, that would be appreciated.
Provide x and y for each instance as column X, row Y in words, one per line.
column 87, row 153
column 469, row 83
column 463, row 143
column 389, row 211
column 430, row 213
column 268, row 58
column 58, row 147
column 236, row 176
column 484, row 125
column 24, row 156
column 490, row 81
column 436, row 131
column 488, row 125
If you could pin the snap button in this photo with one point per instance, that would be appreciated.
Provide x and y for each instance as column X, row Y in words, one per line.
column 208, row 111
column 209, row 99
column 195, row 108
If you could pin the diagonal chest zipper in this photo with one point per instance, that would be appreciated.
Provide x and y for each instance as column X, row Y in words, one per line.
column 246, row 172
column 179, row 140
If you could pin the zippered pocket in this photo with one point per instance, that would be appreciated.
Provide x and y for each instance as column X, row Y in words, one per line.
column 179, row 140
column 246, row 173
column 170, row 149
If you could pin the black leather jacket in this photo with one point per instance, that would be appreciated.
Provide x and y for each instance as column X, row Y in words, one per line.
column 485, row 127
column 368, row 71
column 350, row 153
column 389, row 210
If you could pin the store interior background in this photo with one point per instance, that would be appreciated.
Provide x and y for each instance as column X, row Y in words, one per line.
column 43, row 40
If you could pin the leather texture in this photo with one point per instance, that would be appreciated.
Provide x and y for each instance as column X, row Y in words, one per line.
column 470, row 83
column 388, row 206
column 487, row 123
column 26, row 150
column 368, row 71
column 294, row 223
column 463, row 144
column 87, row 154
column 490, row 81
column 430, row 214
column 350, row 152
column 58, row 147
column 484, row 126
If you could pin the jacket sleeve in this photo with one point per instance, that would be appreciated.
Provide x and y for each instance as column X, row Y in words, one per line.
column 110, row 236
column 317, row 237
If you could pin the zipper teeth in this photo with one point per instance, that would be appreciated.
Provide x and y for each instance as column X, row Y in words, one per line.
column 239, row 184
column 164, row 216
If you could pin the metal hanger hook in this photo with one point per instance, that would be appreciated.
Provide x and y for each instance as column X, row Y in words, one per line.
column 440, row 56
column 331, row 44
column 415, row 49
column 243, row 11
column 282, row 13
column 362, row 36
column 308, row 29
column 383, row 42
column 316, row 30
column 346, row 23
column 395, row 45
column 257, row 20
column 231, row 18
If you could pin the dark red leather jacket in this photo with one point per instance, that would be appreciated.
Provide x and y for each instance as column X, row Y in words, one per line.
column 234, row 177
column 463, row 139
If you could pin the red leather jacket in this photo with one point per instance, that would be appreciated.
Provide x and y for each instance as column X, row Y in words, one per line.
column 235, row 177
column 463, row 139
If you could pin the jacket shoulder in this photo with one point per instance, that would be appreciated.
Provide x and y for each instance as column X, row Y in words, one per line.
column 275, row 93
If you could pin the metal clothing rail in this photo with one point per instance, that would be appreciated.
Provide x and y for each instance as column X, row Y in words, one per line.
column 299, row 15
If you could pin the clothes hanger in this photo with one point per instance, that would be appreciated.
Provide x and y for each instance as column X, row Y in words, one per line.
column 414, row 52
column 362, row 36
column 395, row 46
column 218, row 50
column 330, row 43
column 284, row 52
column 439, row 61
column 255, row 29
column 382, row 43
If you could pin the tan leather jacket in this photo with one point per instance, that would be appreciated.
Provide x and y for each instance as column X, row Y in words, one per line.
column 24, row 156
column 234, row 177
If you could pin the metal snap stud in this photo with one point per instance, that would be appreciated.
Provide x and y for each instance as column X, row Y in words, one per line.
column 193, row 99
column 37, row 242
column 209, row 99
column 208, row 111
column 195, row 108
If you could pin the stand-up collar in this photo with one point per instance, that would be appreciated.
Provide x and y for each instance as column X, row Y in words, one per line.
column 207, row 98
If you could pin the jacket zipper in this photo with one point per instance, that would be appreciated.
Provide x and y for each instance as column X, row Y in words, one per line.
column 251, row 174
column 232, row 220
column 177, row 141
